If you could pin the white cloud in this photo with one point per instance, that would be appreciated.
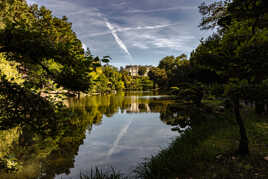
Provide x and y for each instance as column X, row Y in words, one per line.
column 161, row 9
column 32, row 2
column 175, row 43
column 140, row 45
column 154, row 39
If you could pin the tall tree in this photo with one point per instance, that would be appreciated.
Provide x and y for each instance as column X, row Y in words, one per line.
column 238, row 52
column 158, row 76
column 177, row 69
column 32, row 36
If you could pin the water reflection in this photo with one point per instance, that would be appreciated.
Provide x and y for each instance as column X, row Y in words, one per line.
column 46, row 149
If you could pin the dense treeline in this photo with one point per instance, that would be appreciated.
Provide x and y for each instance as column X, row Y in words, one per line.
column 170, row 71
column 230, row 64
column 107, row 79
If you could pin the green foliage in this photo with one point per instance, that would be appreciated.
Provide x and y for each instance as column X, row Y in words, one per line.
column 206, row 150
column 142, row 70
column 107, row 79
column 18, row 102
column 106, row 59
column 177, row 69
column 172, row 71
column 189, row 92
column 146, row 83
column 237, row 53
column 31, row 36
column 217, row 90
column 100, row 174
column 9, row 69
column 159, row 76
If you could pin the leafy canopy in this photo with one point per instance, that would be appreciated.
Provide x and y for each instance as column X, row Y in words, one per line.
column 32, row 36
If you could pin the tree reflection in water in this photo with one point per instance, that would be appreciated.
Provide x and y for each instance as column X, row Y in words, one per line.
column 45, row 148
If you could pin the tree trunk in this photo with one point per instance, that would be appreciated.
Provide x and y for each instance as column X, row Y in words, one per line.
column 154, row 85
column 243, row 146
column 260, row 107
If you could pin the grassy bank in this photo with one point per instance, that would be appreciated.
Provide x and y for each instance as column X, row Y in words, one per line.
column 208, row 150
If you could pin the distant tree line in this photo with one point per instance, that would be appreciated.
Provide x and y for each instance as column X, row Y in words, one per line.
column 107, row 78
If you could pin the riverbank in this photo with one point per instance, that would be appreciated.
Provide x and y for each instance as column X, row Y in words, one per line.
column 208, row 150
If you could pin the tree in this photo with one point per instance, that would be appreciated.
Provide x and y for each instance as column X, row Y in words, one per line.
column 106, row 59
column 158, row 76
column 167, row 63
column 177, row 69
column 31, row 36
column 142, row 70
column 237, row 53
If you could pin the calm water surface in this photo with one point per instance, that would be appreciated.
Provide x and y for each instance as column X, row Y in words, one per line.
column 114, row 130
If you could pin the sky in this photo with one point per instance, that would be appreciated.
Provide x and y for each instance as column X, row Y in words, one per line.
column 132, row 32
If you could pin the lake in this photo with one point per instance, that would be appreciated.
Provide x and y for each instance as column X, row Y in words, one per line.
column 118, row 131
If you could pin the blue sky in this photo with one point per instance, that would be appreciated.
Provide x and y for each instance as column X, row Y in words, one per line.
column 132, row 31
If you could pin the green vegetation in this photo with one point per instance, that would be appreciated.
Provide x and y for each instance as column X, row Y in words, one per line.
column 108, row 78
column 142, row 70
column 230, row 67
column 207, row 149
column 230, row 64
column 99, row 174
column 45, row 46
column 170, row 72
column 236, row 53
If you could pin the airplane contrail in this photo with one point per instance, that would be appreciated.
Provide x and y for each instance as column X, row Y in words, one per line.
column 130, row 29
column 118, row 138
column 117, row 39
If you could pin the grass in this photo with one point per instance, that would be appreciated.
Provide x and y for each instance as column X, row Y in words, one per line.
column 100, row 174
column 208, row 150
